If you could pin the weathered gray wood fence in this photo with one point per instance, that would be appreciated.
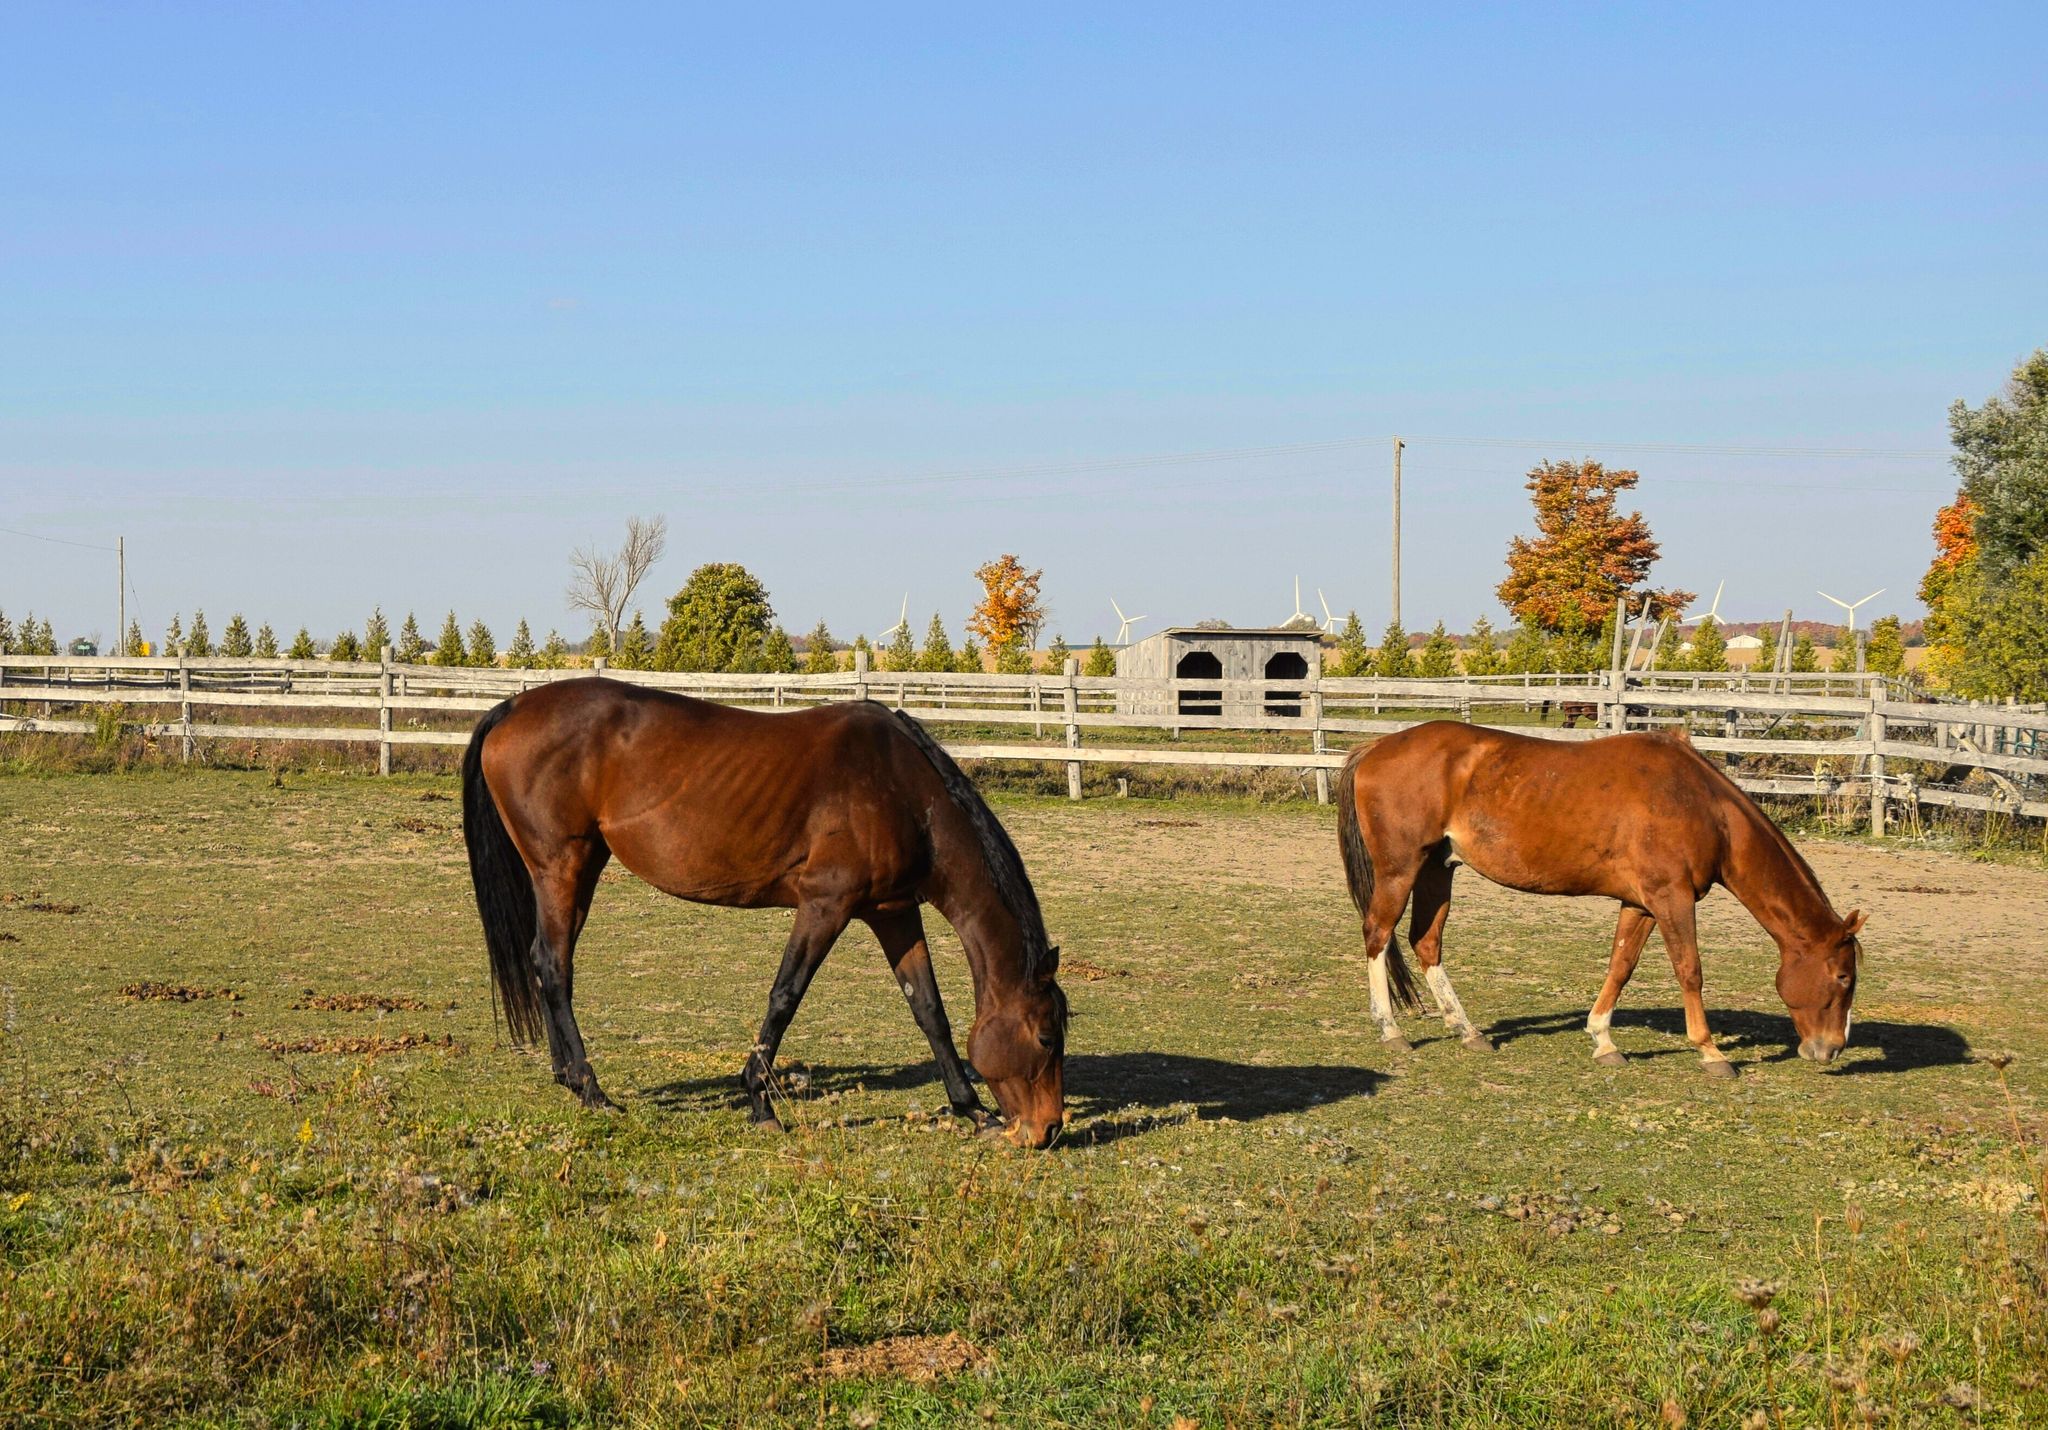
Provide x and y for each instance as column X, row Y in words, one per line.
column 1848, row 733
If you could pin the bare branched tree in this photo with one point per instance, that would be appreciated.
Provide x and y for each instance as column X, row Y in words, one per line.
column 602, row 583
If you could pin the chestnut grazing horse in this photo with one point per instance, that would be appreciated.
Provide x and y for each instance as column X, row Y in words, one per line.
column 1644, row 818
column 841, row 812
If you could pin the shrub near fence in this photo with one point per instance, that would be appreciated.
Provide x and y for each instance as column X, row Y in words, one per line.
column 1790, row 734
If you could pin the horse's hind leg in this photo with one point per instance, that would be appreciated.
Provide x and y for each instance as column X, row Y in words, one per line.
column 1426, row 936
column 1631, row 932
column 1383, row 916
column 562, row 901
column 818, row 925
column 903, row 943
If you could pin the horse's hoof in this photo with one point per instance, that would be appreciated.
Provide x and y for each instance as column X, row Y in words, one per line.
column 1478, row 1042
column 981, row 1117
column 1722, row 1069
column 1611, row 1060
column 993, row 1127
column 1397, row 1045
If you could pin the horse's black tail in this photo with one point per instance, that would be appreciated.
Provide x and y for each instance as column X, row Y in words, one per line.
column 504, row 893
column 1358, row 873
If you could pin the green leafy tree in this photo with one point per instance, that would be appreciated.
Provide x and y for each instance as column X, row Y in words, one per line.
column 483, row 649
column 1528, row 649
column 1101, row 660
column 376, row 634
column 451, row 651
column 302, row 646
column 636, row 648
column 1392, row 661
column 1709, row 647
column 1013, row 658
column 2001, row 454
column 520, row 653
column 197, row 640
column 901, row 652
column 1482, row 652
column 969, row 661
column 1354, row 656
column 554, row 652
column 722, row 613
column 174, row 636
column 1805, row 655
column 2004, row 634
column 1767, row 651
column 1057, row 654
column 1439, row 654
column 819, row 657
column 235, row 640
column 345, row 647
column 1885, row 652
column 412, row 646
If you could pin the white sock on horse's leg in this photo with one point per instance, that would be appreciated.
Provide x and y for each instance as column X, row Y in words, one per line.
column 1382, row 998
column 1447, row 1002
column 1598, row 1028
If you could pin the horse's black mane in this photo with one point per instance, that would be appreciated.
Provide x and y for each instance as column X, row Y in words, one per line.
column 1005, row 865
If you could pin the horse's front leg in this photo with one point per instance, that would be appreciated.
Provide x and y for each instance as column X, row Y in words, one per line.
column 818, row 924
column 901, row 933
column 1631, row 932
column 1681, row 941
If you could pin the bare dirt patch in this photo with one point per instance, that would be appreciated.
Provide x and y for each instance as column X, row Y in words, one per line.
column 922, row 1359
column 1088, row 972
column 153, row 992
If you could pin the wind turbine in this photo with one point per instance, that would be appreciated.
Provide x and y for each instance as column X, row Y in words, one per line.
column 1329, row 626
column 1124, row 622
column 902, row 622
column 1849, row 607
column 1299, row 613
column 1712, row 612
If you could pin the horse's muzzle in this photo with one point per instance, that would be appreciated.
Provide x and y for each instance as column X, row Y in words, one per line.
column 1819, row 1050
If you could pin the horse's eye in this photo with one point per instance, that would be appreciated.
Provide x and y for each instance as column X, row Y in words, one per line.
column 1845, row 980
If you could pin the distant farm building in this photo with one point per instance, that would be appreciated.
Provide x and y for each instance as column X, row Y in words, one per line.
column 1199, row 653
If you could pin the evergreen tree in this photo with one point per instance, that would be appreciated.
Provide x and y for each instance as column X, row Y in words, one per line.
column 554, row 652
column 901, row 653
column 636, row 647
column 1482, row 655
column 1668, row 655
column 819, row 657
column 1354, row 657
column 1709, row 647
column 1573, row 651
column 302, row 646
column 1101, row 660
column 1843, row 661
column 1528, row 650
column 47, row 645
column 778, row 655
column 197, row 640
column 451, row 650
column 721, row 615
column 853, row 653
column 345, row 647
column 519, row 655
column 937, row 654
column 412, row 646
column 598, row 647
column 376, row 634
column 266, row 642
column 1393, row 661
column 1805, row 658
column 1767, row 652
column 1440, row 655
column 174, row 636
column 483, row 649
column 135, row 640
column 1056, row 655
column 1886, row 651
column 6, row 634
column 969, row 658
column 1013, row 658
column 235, row 640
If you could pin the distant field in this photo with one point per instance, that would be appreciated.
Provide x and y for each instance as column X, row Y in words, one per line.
column 324, row 1194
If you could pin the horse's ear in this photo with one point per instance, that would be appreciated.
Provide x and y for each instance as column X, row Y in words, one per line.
column 1853, row 924
column 1682, row 734
column 1052, row 962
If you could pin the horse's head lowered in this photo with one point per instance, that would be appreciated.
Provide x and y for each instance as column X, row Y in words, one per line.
column 1019, row 1047
column 1817, row 980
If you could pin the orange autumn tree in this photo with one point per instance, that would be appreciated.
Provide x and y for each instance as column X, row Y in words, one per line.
column 1009, row 612
column 1955, row 557
column 1585, row 552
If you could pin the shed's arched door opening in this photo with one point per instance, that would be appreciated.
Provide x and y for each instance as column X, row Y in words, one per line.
column 1200, row 665
column 1288, row 665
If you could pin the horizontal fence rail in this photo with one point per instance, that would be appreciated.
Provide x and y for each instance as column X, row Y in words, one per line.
column 1849, row 733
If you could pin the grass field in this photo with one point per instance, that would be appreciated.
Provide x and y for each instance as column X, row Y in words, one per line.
column 326, row 1194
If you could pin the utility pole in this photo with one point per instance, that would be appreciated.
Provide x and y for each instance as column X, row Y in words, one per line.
column 121, row 564
column 1397, row 531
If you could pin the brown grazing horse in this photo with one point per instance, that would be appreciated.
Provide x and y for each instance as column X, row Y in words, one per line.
column 1645, row 819
column 841, row 812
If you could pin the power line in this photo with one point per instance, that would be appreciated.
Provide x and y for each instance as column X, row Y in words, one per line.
column 53, row 540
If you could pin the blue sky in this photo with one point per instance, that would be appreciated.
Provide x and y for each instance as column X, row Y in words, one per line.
column 327, row 306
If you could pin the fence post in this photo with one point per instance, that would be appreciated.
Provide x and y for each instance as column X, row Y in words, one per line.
column 1317, row 740
column 1876, row 769
column 384, row 710
column 184, row 708
column 860, row 675
column 1073, row 711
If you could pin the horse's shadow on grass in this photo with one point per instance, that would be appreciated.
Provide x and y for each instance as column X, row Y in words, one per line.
column 1901, row 1047
column 1109, row 1095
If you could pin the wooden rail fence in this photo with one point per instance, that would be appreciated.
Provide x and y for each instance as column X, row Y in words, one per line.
column 1848, row 732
